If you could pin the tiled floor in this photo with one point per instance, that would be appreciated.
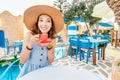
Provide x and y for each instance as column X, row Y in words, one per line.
column 103, row 67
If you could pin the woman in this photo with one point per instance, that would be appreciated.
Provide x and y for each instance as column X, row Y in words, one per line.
column 40, row 19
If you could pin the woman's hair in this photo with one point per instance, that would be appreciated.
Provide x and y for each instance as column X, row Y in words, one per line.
column 51, row 32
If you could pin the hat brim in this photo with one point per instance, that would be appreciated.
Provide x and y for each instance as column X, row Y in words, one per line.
column 31, row 14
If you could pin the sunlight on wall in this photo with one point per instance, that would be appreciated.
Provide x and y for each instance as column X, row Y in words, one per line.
column 0, row 23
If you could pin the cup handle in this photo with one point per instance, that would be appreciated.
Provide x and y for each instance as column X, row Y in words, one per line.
column 40, row 37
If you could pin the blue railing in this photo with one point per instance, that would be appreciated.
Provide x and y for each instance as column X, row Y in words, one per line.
column 9, row 74
column 60, row 51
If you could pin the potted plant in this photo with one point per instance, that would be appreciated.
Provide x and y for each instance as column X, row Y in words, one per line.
column 116, row 69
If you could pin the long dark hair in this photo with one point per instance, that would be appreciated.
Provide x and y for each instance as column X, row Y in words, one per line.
column 51, row 32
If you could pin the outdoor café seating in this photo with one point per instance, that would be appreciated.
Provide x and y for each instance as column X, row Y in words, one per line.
column 85, row 48
column 101, row 46
column 74, row 44
column 80, row 48
column 89, row 43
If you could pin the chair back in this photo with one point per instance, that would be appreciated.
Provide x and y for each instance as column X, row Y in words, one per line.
column 84, row 47
column 74, row 42
column 85, row 43
column 114, row 38
column 2, row 39
column 4, row 42
column 98, row 37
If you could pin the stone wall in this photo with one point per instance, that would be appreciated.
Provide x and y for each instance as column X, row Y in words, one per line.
column 12, row 25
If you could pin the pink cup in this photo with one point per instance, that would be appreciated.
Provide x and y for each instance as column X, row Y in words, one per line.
column 43, row 38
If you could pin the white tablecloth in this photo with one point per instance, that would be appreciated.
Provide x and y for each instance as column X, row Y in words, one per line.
column 61, row 73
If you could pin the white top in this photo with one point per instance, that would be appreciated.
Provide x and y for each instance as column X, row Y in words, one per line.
column 61, row 73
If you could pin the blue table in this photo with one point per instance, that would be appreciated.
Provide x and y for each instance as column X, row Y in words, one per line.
column 94, row 45
column 96, row 42
column 61, row 73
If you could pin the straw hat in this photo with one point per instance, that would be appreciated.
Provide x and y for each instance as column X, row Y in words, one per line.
column 31, row 14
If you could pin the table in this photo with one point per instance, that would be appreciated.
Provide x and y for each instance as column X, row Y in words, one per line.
column 94, row 45
column 61, row 73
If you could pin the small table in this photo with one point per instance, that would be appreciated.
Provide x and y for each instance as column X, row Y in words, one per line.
column 61, row 73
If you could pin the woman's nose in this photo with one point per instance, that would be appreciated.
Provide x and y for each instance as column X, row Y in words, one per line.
column 44, row 23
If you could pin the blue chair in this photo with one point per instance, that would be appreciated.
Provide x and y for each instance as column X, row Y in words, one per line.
column 7, row 46
column 2, row 39
column 98, row 37
column 74, row 43
column 4, row 42
column 85, row 47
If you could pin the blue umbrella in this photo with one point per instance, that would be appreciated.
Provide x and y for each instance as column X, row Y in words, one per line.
column 105, row 24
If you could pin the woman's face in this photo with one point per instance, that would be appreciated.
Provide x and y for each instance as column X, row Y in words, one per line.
column 44, row 23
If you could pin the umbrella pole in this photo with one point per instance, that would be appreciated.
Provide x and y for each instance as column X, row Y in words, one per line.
column 97, row 29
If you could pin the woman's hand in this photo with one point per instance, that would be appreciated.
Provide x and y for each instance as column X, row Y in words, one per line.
column 35, row 39
column 49, row 42
column 51, row 51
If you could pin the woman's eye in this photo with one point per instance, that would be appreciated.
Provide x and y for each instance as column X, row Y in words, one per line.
column 41, row 20
column 49, row 21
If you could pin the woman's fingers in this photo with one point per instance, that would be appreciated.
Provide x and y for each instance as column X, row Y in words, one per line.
column 35, row 38
column 44, row 44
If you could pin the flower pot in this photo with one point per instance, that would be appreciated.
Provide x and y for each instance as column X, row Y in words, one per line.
column 116, row 70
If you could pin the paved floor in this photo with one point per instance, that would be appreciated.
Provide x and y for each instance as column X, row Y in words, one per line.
column 103, row 67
